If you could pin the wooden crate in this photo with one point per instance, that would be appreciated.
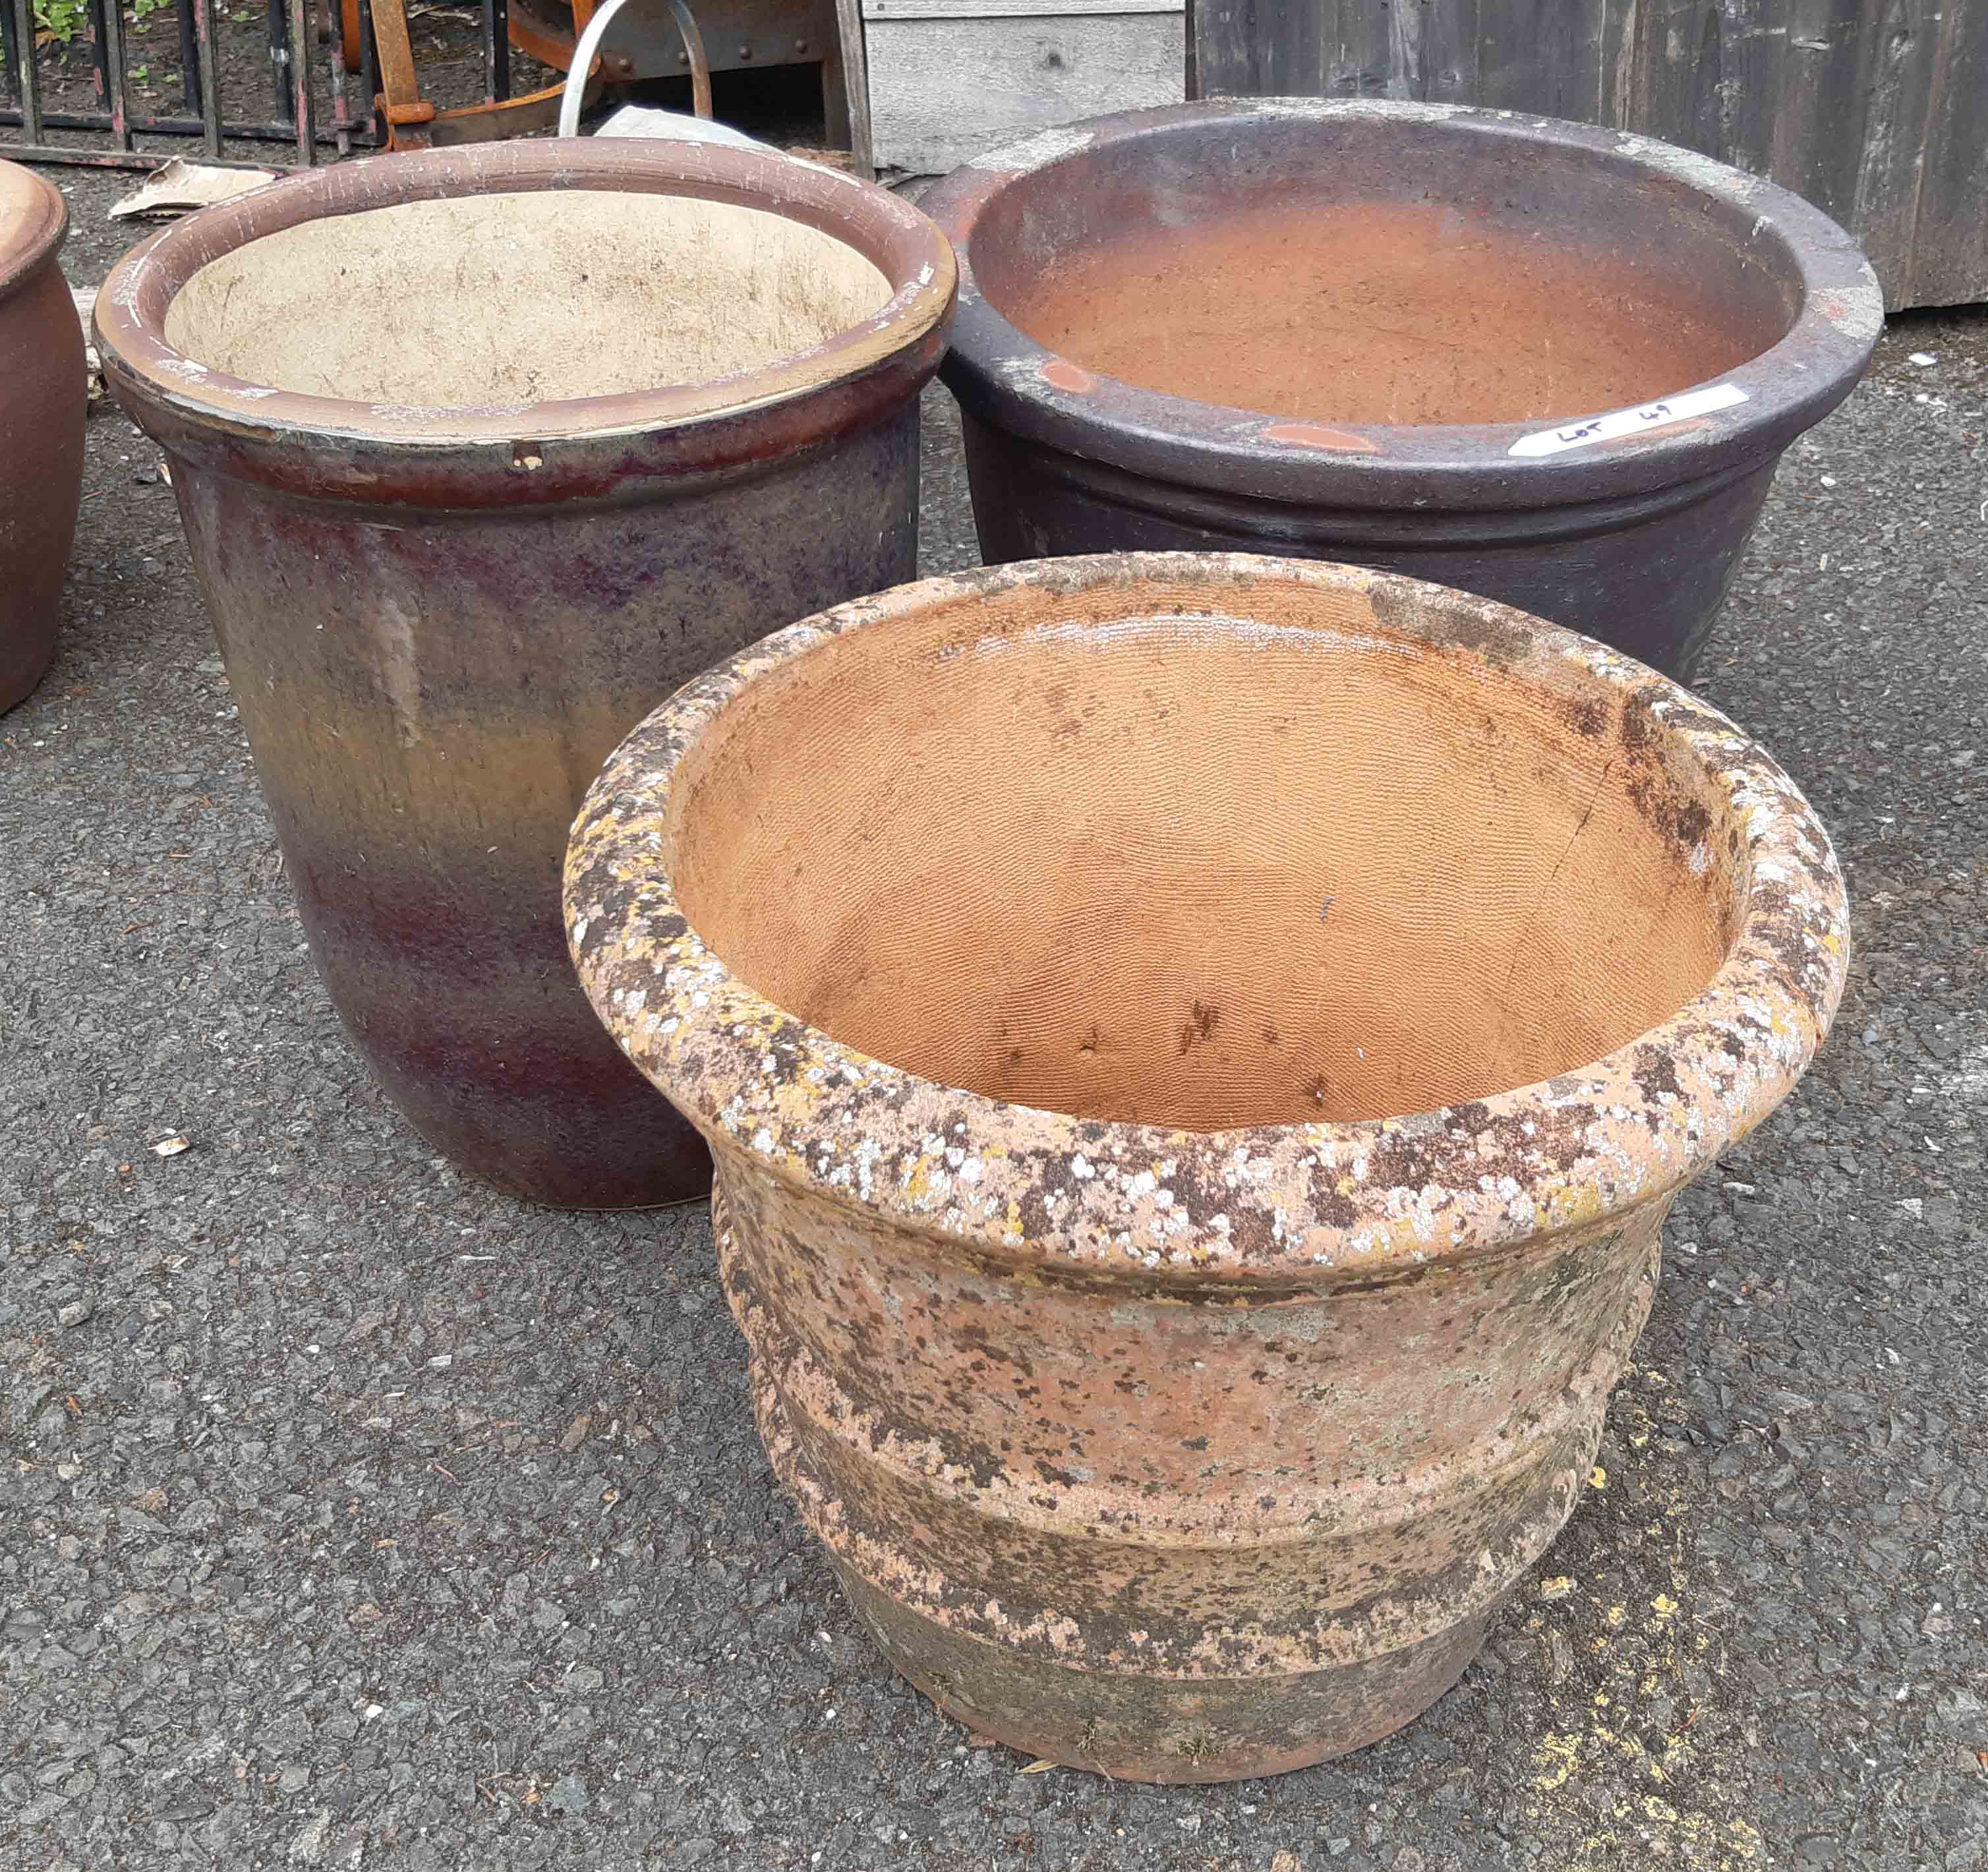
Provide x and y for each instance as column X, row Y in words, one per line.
column 950, row 80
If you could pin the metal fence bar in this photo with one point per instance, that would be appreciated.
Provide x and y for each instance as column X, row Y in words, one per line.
column 496, row 51
column 347, row 119
column 304, row 100
column 100, row 121
column 279, row 56
column 189, row 57
column 68, row 156
column 30, row 93
column 210, row 78
column 368, row 72
column 99, row 53
column 341, row 112
column 111, row 14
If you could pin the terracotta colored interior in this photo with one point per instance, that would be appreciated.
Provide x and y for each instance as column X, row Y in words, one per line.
column 1298, row 297
column 521, row 298
column 1275, row 864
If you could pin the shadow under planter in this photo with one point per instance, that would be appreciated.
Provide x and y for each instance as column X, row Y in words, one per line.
column 43, row 397
column 480, row 453
column 1198, row 1052
column 1552, row 364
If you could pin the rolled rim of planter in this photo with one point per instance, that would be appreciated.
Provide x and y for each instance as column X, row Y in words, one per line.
column 1456, row 1182
column 1310, row 457
column 34, row 219
column 528, row 452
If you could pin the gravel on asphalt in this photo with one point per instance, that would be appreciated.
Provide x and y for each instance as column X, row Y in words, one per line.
column 353, row 1514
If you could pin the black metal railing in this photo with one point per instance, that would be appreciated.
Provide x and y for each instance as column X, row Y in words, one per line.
column 317, row 107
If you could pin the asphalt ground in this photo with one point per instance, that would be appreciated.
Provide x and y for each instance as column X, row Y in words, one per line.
column 353, row 1514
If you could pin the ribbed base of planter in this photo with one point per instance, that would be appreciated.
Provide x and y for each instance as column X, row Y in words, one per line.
column 1143, row 1729
column 1147, row 1635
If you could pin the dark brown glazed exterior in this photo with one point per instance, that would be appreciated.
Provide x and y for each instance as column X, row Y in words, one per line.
column 438, row 623
column 1631, row 538
column 43, row 396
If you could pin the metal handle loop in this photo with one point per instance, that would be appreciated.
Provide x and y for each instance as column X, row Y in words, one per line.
column 589, row 46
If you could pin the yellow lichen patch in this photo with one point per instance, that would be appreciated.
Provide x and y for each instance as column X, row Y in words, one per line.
column 1556, row 1757
column 1558, row 1587
column 1597, row 1477
column 1608, row 1788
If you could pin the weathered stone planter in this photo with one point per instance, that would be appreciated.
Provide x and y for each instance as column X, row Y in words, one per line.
column 42, row 396
column 480, row 452
column 1547, row 362
column 1198, row 1052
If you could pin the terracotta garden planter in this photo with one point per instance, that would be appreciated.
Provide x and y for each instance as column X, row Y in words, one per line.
column 43, row 393
column 480, row 452
column 1198, row 1052
column 1547, row 362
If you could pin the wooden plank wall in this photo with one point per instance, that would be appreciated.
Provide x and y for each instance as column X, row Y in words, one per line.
column 1876, row 109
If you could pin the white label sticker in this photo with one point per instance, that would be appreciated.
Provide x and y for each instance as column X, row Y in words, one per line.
column 1639, row 421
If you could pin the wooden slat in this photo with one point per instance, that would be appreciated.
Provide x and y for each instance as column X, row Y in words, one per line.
column 1949, row 253
column 1877, row 110
column 942, row 92
column 1229, row 48
column 854, row 84
column 1448, row 71
column 1904, row 43
column 1003, row 9
column 1545, row 55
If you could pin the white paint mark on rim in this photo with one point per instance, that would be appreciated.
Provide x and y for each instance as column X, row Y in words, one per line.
column 1645, row 419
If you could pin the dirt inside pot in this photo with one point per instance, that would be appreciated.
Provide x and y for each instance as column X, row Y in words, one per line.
column 520, row 298
column 1378, row 313
column 1199, row 870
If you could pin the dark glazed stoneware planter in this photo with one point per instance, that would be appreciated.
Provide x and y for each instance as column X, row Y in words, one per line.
column 480, row 452
column 43, row 393
column 1551, row 364
column 1198, row 1052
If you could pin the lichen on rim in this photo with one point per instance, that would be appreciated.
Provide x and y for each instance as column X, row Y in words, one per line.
column 1238, row 1206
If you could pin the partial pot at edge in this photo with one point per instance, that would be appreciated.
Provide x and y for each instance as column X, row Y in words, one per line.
column 43, row 396
column 1164, row 1408
column 481, row 452
column 1550, row 363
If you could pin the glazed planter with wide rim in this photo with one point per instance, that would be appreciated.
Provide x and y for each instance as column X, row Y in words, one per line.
column 1197, row 1051
column 1547, row 362
column 43, row 396
column 480, row 452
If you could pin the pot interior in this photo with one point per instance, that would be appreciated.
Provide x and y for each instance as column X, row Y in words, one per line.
column 522, row 298
column 1381, row 271
column 1110, row 854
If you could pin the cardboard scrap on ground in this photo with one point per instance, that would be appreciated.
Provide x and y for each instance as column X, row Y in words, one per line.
column 181, row 187
column 86, row 304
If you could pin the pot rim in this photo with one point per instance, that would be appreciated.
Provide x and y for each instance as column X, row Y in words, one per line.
column 1061, row 403
column 895, row 236
column 34, row 223
column 1246, row 1203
